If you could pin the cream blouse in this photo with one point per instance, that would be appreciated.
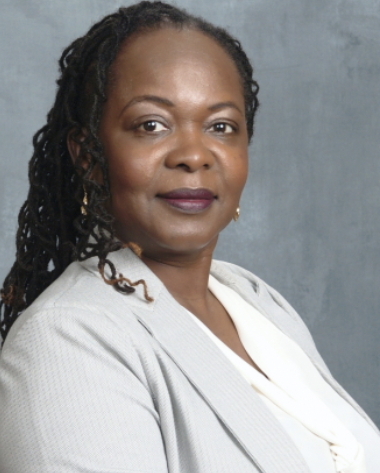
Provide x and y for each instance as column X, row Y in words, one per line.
column 332, row 436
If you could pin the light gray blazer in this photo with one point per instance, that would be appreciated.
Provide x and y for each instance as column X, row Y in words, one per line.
column 98, row 382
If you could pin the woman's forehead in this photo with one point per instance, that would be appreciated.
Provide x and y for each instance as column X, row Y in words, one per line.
column 176, row 61
column 172, row 40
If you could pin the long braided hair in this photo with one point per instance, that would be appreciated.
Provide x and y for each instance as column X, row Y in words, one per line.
column 52, row 230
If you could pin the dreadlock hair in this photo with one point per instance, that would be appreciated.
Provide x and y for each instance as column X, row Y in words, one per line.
column 52, row 230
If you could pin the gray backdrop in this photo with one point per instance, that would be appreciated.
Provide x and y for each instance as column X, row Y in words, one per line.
column 310, row 215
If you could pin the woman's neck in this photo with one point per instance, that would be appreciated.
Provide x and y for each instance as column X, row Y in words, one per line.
column 185, row 278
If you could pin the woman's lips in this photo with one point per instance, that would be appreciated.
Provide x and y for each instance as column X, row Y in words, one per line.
column 189, row 200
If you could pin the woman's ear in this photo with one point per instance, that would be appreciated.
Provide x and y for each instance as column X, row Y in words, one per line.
column 74, row 147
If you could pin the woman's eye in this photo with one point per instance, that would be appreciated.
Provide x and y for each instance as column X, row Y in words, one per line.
column 152, row 126
column 224, row 128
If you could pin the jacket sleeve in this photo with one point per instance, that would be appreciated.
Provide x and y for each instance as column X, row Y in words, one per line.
column 71, row 401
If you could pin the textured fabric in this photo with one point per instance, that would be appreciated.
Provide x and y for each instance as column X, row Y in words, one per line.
column 310, row 411
column 96, row 381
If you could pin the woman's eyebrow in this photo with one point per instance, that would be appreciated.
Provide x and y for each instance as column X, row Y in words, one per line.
column 220, row 105
column 147, row 98
column 167, row 102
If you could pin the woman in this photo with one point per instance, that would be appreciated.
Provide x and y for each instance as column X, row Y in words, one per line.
column 136, row 351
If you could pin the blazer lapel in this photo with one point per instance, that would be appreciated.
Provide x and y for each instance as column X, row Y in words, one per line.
column 235, row 402
column 255, row 292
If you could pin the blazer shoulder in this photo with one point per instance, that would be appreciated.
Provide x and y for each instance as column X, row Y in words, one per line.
column 236, row 270
column 263, row 289
column 258, row 284
column 78, row 298
column 276, row 307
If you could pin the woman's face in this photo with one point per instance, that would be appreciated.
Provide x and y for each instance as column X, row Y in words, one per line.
column 174, row 134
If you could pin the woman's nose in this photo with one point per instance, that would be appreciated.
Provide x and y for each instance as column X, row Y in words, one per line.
column 190, row 153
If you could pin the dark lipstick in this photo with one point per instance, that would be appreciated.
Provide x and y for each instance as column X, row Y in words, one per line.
column 189, row 200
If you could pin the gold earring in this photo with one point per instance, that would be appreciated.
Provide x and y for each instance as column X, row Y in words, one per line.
column 237, row 213
column 85, row 202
